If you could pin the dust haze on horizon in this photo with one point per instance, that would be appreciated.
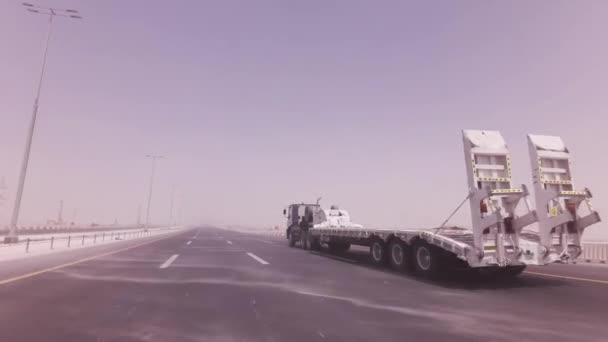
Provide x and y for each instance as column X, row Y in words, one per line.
column 256, row 105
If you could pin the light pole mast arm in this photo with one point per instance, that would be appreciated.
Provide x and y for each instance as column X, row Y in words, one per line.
column 46, row 49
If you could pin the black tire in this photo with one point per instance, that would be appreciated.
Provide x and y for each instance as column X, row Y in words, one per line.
column 304, row 243
column 313, row 243
column 400, row 256
column 378, row 253
column 427, row 259
column 291, row 239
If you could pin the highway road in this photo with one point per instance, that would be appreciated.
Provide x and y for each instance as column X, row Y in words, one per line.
column 207, row 284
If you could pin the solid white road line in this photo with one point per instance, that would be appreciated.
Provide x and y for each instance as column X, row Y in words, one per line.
column 258, row 259
column 567, row 277
column 169, row 261
column 189, row 242
column 229, row 242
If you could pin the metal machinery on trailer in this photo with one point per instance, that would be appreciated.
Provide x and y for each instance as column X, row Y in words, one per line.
column 497, row 241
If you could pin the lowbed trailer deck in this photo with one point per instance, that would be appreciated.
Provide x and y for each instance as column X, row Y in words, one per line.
column 498, row 239
column 414, row 249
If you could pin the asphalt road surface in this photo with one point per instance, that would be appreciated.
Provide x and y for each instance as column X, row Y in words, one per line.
column 207, row 284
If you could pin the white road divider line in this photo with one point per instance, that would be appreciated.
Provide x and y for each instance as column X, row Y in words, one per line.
column 189, row 242
column 258, row 259
column 229, row 242
column 169, row 261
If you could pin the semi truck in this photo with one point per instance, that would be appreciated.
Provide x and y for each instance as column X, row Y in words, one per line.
column 500, row 239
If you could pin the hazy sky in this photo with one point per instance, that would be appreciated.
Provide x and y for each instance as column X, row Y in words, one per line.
column 257, row 104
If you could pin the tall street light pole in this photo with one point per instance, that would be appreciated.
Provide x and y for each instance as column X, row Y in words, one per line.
column 51, row 13
column 153, row 157
column 171, row 209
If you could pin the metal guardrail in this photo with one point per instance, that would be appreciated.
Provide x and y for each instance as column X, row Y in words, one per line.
column 595, row 252
column 275, row 233
column 81, row 239
column 45, row 229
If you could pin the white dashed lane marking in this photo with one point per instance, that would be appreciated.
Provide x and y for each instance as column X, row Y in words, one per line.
column 169, row 261
column 258, row 259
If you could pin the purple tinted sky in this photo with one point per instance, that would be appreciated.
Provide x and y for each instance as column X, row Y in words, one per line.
column 260, row 103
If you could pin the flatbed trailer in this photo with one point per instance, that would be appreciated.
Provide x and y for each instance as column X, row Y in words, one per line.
column 497, row 241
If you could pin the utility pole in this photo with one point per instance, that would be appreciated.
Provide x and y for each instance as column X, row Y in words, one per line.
column 51, row 13
column 171, row 209
column 60, row 214
column 180, row 211
column 154, row 158
column 3, row 189
column 139, row 215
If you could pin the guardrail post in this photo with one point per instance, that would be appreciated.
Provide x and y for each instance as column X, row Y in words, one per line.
column 83, row 239
column 111, row 235
column 103, row 236
column 52, row 241
column 94, row 238
column 69, row 240
column 27, row 246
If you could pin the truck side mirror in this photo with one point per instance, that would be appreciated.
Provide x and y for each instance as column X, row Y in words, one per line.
column 284, row 212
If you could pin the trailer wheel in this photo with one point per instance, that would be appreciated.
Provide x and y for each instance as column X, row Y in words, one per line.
column 426, row 258
column 378, row 253
column 399, row 255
